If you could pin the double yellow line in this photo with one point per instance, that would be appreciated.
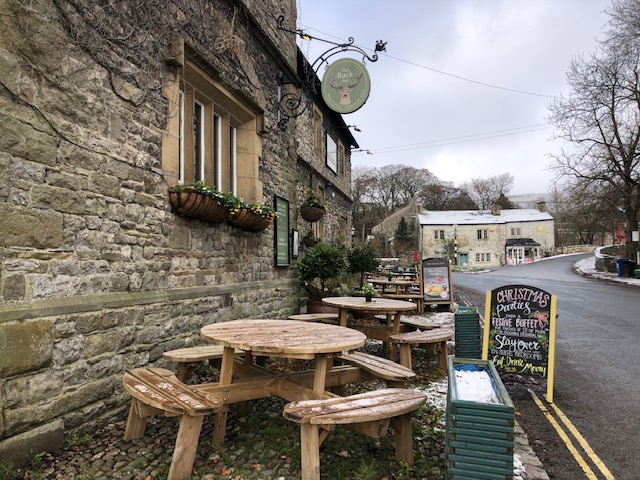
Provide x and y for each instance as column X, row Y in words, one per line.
column 581, row 440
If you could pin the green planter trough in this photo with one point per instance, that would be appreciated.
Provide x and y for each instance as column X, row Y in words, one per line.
column 467, row 332
column 480, row 421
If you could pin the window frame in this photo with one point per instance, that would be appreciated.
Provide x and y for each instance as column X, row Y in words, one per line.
column 234, row 170
column 331, row 156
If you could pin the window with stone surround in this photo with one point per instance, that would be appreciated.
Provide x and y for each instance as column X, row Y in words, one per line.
column 211, row 135
column 438, row 234
column 483, row 257
column 516, row 232
column 483, row 234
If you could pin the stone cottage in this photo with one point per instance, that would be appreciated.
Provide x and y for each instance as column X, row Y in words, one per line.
column 105, row 107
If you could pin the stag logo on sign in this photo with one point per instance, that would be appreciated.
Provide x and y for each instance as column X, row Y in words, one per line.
column 345, row 85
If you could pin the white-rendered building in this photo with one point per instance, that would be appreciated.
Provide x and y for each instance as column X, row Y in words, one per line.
column 486, row 238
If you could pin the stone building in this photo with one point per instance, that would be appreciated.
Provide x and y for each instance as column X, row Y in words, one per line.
column 103, row 109
column 487, row 238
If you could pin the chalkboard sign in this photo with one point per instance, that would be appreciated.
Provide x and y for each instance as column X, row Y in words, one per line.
column 436, row 281
column 519, row 331
column 282, row 237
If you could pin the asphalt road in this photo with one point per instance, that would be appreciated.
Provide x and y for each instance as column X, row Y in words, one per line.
column 597, row 384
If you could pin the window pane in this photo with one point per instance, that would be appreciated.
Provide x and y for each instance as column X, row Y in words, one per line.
column 181, row 139
column 332, row 154
column 198, row 141
column 217, row 151
column 232, row 160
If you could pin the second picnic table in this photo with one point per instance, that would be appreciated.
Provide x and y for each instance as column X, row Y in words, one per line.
column 391, row 308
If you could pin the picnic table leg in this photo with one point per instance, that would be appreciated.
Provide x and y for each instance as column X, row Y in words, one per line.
column 310, row 451
column 395, row 328
column 405, row 355
column 184, row 452
column 342, row 316
column 443, row 356
column 226, row 376
column 403, row 438
column 320, row 374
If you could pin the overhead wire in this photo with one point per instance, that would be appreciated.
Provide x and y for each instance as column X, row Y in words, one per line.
column 461, row 139
column 450, row 140
column 441, row 72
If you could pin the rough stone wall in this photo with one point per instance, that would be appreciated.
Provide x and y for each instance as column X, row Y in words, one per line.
column 96, row 273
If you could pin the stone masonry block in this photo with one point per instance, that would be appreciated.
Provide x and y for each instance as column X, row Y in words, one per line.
column 19, row 449
column 24, row 227
column 25, row 346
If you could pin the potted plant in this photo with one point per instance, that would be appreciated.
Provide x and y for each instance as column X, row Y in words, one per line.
column 368, row 291
column 312, row 207
column 319, row 270
column 310, row 239
column 362, row 260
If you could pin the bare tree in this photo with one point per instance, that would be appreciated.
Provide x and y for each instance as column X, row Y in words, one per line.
column 600, row 117
column 486, row 191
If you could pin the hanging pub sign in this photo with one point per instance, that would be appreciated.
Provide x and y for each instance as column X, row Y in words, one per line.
column 345, row 85
column 436, row 281
column 520, row 331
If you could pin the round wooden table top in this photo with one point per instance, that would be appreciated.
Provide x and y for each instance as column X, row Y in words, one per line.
column 377, row 304
column 283, row 336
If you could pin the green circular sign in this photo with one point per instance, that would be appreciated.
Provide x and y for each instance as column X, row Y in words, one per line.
column 345, row 85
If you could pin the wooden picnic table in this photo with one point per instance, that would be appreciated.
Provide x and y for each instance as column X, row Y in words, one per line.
column 397, row 286
column 392, row 308
column 277, row 338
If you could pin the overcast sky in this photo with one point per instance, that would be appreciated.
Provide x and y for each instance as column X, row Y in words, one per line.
column 463, row 87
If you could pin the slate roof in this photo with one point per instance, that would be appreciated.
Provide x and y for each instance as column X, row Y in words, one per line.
column 482, row 217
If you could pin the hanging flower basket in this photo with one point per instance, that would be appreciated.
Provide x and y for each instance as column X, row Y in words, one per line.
column 309, row 241
column 194, row 204
column 312, row 214
column 248, row 220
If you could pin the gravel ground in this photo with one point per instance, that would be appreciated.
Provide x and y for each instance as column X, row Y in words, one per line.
column 259, row 444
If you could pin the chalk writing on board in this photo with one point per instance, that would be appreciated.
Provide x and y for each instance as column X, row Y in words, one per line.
column 518, row 339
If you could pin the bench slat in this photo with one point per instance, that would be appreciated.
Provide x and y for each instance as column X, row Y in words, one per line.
column 161, row 389
column 381, row 367
column 194, row 354
column 431, row 336
column 365, row 407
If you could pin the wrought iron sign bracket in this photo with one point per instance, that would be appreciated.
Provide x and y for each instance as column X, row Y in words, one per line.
column 291, row 104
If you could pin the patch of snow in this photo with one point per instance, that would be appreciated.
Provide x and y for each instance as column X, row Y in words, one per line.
column 475, row 386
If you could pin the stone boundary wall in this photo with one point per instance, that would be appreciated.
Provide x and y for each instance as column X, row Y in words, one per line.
column 63, row 358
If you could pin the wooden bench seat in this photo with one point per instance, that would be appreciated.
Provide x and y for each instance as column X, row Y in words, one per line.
column 381, row 367
column 414, row 297
column 190, row 357
column 316, row 317
column 369, row 413
column 419, row 322
column 436, row 341
column 157, row 391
